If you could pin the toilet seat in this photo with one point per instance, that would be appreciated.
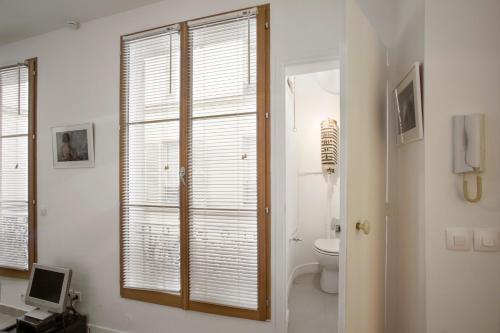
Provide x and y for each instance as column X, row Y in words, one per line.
column 327, row 246
column 333, row 254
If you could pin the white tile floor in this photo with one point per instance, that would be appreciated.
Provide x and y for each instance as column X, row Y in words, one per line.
column 311, row 310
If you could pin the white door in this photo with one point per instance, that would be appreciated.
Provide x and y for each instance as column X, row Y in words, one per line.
column 364, row 106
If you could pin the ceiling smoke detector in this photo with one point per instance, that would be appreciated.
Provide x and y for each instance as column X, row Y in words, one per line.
column 75, row 25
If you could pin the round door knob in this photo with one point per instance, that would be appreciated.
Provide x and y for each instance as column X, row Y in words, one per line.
column 363, row 226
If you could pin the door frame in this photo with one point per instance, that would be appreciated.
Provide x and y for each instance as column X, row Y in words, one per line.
column 278, row 187
column 343, row 169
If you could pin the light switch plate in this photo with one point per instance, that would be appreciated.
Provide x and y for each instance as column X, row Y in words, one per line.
column 459, row 239
column 487, row 239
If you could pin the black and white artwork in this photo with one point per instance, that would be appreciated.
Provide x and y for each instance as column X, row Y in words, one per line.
column 406, row 101
column 408, row 104
column 73, row 146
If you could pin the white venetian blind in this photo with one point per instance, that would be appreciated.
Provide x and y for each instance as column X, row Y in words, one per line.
column 223, row 161
column 14, row 168
column 150, row 161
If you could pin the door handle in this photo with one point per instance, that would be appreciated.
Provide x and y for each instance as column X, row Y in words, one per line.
column 363, row 226
column 182, row 175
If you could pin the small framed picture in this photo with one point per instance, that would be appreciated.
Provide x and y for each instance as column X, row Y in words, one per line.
column 73, row 146
column 408, row 104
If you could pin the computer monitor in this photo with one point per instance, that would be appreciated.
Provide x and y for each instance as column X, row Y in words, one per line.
column 47, row 290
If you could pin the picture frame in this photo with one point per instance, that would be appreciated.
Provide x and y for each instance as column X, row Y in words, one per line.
column 73, row 146
column 408, row 107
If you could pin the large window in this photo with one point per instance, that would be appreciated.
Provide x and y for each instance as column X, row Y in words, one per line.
column 194, row 166
column 17, row 169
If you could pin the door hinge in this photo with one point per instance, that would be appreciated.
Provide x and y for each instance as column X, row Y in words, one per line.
column 268, row 303
column 267, row 210
column 267, row 115
column 34, row 137
column 387, row 209
column 34, row 202
column 267, row 25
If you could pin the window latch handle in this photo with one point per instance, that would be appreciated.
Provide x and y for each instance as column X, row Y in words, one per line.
column 182, row 175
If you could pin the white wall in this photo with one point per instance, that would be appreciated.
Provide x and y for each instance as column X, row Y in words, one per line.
column 78, row 81
column 462, row 75
column 431, row 289
column 318, row 192
column 383, row 16
column 405, row 251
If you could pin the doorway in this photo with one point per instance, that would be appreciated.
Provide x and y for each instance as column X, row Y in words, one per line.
column 312, row 100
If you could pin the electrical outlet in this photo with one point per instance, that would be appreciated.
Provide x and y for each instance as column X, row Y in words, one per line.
column 74, row 294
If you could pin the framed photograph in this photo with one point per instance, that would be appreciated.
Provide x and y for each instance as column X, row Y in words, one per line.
column 408, row 104
column 73, row 146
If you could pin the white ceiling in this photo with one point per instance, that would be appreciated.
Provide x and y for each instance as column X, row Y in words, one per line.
column 383, row 15
column 20, row 19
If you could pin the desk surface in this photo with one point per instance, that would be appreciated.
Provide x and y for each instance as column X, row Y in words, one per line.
column 6, row 321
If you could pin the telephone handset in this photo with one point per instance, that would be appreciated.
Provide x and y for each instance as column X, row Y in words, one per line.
column 469, row 151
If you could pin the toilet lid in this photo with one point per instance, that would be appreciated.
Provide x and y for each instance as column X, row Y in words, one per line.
column 331, row 245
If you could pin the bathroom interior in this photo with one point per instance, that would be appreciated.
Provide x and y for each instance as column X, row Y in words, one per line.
column 313, row 196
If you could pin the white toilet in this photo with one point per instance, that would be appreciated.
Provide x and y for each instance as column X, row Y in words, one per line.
column 327, row 253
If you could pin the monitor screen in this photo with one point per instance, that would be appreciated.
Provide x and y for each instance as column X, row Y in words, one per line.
column 47, row 285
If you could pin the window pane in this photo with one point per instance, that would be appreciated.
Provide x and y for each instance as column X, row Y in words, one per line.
column 14, row 236
column 14, row 101
column 223, row 165
column 153, row 79
column 150, row 164
column 14, row 168
column 223, row 257
column 151, row 248
column 224, row 68
column 153, row 164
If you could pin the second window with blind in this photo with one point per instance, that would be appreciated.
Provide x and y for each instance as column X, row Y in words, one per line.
column 194, row 165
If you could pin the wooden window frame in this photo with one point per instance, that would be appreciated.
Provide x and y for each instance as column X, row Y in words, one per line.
column 32, row 192
column 263, row 185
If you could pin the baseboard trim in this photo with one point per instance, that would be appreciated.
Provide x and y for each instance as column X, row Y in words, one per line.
column 101, row 329
column 287, row 319
column 311, row 267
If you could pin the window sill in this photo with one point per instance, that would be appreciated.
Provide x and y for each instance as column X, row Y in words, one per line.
column 14, row 273
column 152, row 297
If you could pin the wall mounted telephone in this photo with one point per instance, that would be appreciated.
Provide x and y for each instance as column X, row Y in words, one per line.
column 469, row 151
